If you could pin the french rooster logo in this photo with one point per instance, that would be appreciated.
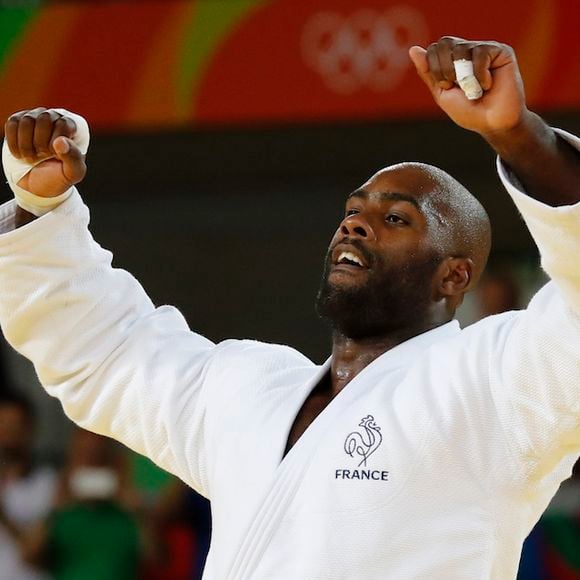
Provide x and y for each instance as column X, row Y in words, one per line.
column 365, row 442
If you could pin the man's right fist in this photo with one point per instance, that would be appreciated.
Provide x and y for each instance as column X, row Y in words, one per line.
column 48, row 149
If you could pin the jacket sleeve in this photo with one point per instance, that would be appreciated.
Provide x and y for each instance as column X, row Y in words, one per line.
column 119, row 366
column 535, row 367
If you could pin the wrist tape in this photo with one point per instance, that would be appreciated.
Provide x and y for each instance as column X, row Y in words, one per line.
column 16, row 169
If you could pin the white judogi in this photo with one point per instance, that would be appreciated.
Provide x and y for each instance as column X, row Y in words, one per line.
column 433, row 463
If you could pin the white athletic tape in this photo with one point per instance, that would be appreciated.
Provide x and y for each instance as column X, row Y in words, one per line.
column 16, row 169
column 466, row 79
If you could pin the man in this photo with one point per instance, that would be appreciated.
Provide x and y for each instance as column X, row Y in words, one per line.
column 417, row 450
column 26, row 491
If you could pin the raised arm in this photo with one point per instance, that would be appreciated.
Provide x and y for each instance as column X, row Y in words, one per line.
column 531, row 358
column 119, row 365
column 544, row 163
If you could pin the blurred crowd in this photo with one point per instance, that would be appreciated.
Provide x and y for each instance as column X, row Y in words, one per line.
column 105, row 514
column 108, row 514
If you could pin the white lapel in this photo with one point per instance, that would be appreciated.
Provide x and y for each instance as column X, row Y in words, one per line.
column 288, row 476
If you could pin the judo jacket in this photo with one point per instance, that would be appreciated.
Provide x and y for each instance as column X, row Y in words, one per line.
column 433, row 463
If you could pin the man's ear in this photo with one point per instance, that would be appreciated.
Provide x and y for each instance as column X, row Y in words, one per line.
column 455, row 276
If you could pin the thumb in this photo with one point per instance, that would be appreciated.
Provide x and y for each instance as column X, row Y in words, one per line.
column 73, row 161
column 418, row 57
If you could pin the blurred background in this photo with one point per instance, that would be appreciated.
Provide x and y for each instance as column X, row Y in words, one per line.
column 226, row 135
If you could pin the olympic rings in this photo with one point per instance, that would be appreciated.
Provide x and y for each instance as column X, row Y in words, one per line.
column 366, row 49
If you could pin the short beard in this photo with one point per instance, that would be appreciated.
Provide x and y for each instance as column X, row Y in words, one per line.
column 393, row 299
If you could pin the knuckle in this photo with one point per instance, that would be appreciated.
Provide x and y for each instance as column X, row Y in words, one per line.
column 26, row 122
column 479, row 53
column 71, row 128
column 462, row 50
column 64, row 124
column 43, row 122
column 10, row 128
column 59, row 126
column 483, row 47
column 447, row 40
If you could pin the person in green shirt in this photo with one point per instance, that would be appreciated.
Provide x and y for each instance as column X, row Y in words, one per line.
column 93, row 540
column 91, row 535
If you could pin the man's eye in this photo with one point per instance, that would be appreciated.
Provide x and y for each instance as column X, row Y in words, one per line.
column 351, row 212
column 395, row 219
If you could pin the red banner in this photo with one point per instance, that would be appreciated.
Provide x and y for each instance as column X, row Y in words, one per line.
column 158, row 63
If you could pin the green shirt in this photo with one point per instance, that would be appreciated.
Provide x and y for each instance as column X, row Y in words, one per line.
column 93, row 542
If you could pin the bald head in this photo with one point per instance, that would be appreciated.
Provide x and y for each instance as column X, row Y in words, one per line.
column 412, row 242
column 459, row 223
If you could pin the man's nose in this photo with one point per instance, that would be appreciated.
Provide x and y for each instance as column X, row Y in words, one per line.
column 356, row 226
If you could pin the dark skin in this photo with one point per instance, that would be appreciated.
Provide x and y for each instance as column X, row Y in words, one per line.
column 545, row 164
column 379, row 216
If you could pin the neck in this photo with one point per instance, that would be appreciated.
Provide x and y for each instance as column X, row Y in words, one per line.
column 350, row 356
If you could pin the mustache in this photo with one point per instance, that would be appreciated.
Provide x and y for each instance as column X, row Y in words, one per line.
column 368, row 256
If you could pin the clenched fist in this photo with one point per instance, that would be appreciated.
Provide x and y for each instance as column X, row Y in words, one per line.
column 46, row 151
column 502, row 106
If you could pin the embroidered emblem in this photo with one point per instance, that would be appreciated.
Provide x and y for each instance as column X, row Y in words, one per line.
column 365, row 442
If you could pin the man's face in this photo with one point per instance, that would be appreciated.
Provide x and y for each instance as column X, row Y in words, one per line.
column 379, row 270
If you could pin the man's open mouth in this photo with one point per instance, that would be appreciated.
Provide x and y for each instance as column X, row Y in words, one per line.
column 349, row 257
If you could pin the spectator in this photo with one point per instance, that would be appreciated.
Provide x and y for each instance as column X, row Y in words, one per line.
column 498, row 292
column 26, row 491
column 91, row 535
column 181, row 522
